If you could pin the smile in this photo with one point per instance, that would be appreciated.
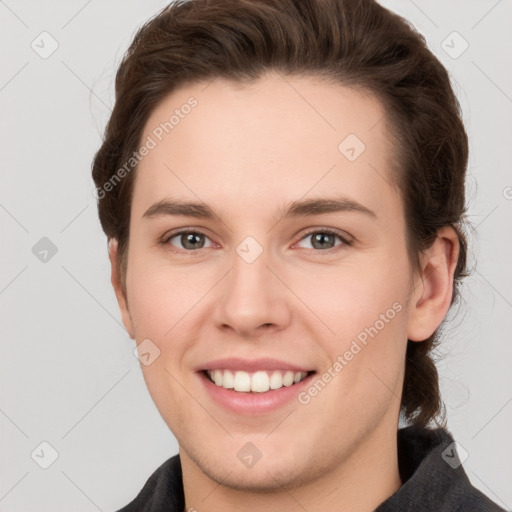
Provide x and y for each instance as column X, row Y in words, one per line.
column 260, row 381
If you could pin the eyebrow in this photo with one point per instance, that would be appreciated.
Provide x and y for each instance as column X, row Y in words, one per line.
column 299, row 208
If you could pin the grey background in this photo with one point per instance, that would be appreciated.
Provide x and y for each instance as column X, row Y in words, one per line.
column 68, row 375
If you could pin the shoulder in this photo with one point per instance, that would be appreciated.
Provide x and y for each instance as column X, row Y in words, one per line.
column 433, row 476
column 162, row 491
column 472, row 500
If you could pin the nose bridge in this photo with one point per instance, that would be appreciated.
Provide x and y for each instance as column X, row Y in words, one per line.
column 249, row 272
column 249, row 278
column 251, row 296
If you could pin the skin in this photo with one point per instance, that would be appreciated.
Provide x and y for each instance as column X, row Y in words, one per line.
column 247, row 150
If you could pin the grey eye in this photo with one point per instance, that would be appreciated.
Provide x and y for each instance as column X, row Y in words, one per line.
column 190, row 240
column 322, row 240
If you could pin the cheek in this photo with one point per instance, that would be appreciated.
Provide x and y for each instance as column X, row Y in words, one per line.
column 164, row 303
column 365, row 295
column 160, row 295
column 367, row 310
column 161, row 302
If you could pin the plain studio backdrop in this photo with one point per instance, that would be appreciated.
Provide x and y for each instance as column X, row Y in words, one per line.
column 69, row 378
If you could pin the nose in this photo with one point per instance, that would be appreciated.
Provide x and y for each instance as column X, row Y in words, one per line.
column 252, row 300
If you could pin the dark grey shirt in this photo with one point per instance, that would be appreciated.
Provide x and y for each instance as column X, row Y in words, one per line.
column 432, row 480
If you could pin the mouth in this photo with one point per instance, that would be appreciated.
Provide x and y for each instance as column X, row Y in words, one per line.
column 259, row 381
column 253, row 387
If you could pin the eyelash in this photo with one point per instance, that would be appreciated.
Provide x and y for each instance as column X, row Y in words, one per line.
column 329, row 231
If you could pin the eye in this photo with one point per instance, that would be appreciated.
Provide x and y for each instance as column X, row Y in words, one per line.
column 325, row 239
column 322, row 240
column 189, row 240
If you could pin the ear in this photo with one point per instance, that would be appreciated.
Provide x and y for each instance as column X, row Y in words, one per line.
column 115, row 279
column 433, row 288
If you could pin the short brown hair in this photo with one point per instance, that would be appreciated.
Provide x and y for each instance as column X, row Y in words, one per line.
column 356, row 43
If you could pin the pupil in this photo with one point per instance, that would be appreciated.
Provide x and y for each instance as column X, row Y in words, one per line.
column 190, row 239
column 321, row 238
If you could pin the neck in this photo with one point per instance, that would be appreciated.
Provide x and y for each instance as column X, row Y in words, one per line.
column 363, row 481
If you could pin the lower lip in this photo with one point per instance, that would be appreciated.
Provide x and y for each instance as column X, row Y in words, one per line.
column 252, row 403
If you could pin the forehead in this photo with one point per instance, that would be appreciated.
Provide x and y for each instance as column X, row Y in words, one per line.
column 277, row 139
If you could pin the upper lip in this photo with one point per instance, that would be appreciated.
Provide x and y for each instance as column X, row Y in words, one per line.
column 251, row 365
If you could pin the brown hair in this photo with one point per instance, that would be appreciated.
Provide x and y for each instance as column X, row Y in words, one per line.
column 352, row 42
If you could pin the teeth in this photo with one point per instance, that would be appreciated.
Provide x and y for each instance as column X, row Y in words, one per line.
column 257, row 382
column 276, row 380
column 228, row 380
column 288, row 379
column 242, row 381
column 260, row 382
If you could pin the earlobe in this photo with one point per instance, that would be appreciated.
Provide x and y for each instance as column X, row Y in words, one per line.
column 115, row 279
column 433, row 290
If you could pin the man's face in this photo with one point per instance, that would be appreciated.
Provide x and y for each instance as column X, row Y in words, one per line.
column 264, row 300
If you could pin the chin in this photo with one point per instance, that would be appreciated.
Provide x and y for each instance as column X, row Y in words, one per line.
column 265, row 476
column 274, row 468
